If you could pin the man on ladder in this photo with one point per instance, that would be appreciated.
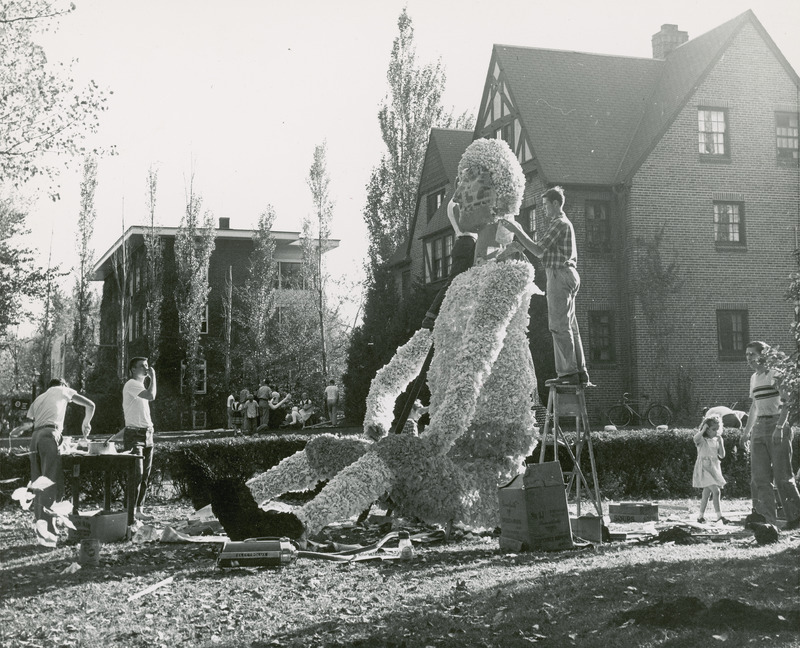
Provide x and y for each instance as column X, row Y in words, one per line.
column 559, row 254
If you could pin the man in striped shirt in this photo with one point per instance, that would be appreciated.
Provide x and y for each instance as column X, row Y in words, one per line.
column 559, row 254
column 769, row 436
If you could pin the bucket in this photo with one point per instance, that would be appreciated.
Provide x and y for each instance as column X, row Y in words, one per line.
column 89, row 552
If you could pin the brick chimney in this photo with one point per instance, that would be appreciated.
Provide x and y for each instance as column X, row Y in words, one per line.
column 667, row 40
column 224, row 223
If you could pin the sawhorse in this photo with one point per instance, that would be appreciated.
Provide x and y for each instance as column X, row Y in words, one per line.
column 570, row 400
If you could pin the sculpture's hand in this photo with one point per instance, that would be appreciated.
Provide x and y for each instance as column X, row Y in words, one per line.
column 511, row 225
column 375, row 432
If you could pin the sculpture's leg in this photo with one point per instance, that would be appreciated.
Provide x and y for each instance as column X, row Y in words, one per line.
column 348, row 494
column 293, row 473
column 323, row 458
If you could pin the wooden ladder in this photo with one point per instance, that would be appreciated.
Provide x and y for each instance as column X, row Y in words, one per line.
column 569, row 401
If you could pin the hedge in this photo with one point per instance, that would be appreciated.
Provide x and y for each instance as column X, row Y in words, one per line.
column 173, row 476
column 636, row 464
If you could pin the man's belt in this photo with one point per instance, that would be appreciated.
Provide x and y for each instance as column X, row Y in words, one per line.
column 137, row 429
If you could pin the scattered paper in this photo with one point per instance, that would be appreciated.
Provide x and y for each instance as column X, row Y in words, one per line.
column 62, row 508
column 71, row 568
column 43, row 535
column 24, row 497
column 152, row 588
column 41, row 483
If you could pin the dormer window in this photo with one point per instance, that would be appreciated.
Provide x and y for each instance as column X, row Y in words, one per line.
column 434, row 201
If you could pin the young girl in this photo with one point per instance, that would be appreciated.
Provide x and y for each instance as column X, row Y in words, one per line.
column 707, row 471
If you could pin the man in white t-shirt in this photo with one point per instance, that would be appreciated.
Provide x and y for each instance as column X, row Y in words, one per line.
column 138, row 435
column 332, row 401
column 46, row 417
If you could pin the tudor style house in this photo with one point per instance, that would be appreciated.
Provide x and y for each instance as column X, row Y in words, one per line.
column 682, row 181
column 228, row 263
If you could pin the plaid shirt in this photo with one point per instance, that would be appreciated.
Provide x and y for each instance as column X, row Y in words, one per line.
column 559, row 244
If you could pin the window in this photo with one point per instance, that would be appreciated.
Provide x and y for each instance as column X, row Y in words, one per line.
column 204, row 321
column 601, row 337
column 732, row 333
column 434, row 201
column 438, row 253
column 290, row 275
column 713, row 131
column 506, row 133
column 198, row 419
column 729, row 223
column 200, row 384
column 598, row 226
column 786, row 133
column 137, row 279
column 527, row 218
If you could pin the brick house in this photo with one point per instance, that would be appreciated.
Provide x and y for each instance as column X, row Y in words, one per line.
column 230, row 258
column 682, row 181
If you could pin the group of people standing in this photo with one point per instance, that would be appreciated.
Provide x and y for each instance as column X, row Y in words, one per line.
column 269, row 409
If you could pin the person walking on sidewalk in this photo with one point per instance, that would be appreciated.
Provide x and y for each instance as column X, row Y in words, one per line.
column 138, row 435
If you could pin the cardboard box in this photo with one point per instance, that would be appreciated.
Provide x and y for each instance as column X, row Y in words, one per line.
column 626, row 512
column 533, row 510
column 588, row 527
column 105, row 527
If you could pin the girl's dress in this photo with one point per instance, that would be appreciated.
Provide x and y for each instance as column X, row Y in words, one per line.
column 707, row 469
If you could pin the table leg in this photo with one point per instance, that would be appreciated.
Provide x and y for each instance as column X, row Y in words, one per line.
column 75, row 481
column 131, row 492
column 107, row 490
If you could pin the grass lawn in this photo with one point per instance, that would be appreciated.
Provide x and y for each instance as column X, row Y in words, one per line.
column 462, row 593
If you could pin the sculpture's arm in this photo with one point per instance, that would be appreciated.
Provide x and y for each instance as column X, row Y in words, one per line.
column 392, row 379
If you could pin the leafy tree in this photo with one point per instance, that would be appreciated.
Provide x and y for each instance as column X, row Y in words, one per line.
column 41, row 109
column 412, row 108
column 20, row 278
column 154, row 271
column 194, row 243
column 318, row 182
column 85, row 306
column 256, row 301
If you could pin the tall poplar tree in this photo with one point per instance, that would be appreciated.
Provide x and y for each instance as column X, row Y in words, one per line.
column 314, row 246
column 154, row 263
column 85, row 306
column 256, row 301
column 411, row 109
column 194, row 243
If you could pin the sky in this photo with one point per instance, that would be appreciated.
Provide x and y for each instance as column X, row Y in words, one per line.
column 237, row 94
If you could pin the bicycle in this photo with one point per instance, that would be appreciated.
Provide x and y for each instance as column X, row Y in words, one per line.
column 622, row 413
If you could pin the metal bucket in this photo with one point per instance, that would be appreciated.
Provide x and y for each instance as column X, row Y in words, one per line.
column 89, row 552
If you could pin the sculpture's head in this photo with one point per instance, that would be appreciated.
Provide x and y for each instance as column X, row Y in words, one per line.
column 490, row 184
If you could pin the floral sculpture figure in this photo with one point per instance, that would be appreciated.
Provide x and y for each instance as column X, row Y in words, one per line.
column 481, row 379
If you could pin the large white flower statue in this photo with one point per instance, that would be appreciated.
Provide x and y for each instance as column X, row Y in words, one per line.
column 481, row 379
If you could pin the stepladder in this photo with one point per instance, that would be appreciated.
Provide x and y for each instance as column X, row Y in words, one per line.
column 565, row 403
